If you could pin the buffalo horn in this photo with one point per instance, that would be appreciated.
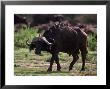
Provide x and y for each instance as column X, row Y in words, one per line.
column 27, row 43
column 45, row 40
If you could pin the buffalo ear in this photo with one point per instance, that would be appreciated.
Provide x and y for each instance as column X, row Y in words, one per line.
column 52, row 40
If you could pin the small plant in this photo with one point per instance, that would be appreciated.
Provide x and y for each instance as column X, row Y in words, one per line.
column 92, row 42
column 24, row 34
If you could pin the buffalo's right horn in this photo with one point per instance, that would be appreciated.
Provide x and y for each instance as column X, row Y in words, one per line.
column 46, row 41
column 27, row 43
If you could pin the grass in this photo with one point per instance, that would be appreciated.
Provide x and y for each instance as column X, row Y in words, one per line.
column 92, row 42
column 29, row 64
column 23, row 35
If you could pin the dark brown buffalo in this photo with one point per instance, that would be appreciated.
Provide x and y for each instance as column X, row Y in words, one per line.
column 61, row 38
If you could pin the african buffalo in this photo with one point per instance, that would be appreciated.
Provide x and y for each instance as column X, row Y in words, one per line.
column 61, row 38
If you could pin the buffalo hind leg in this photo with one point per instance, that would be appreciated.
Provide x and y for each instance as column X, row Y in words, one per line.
column 83, row 61
column 84, row 52
column 75, row 58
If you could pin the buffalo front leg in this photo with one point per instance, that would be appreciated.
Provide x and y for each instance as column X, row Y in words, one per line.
column 51, row 63
column 57, row 61
column 75, row 58
column 58, row 64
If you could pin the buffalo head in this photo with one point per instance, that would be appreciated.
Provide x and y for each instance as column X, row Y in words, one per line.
column 39, row 44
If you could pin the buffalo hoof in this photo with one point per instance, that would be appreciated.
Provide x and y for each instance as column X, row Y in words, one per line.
column 83, row 69
column 58, row 69
column 70, row 68
column 49, row 70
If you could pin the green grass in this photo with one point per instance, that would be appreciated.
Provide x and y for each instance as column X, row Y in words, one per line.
column 92, row 42
column 23, row 35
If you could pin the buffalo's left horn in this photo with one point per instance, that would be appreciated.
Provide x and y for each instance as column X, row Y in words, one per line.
column 46, row 41
column 27, row 43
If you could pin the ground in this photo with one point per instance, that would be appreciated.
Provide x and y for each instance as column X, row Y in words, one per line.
column 29, row 64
